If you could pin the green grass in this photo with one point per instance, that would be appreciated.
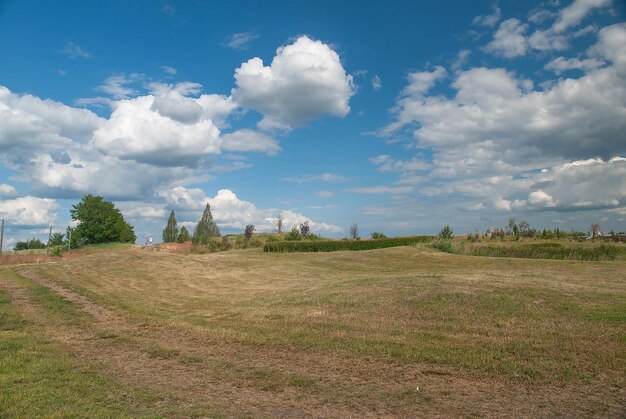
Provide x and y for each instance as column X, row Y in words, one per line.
column 541, row 250
column 339, row 245
column 40, row 378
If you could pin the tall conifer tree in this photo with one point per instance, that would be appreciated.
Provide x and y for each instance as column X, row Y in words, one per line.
column 170, row 232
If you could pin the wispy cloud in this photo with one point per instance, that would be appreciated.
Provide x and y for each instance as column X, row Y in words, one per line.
column 376, row 82
column 74, row 51
column 169, row 70
column 240, row 40
column 324, row 177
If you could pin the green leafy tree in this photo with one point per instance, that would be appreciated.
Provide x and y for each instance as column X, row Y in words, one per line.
column 206, row 228
column 170, row 232
column 378, row 235
column 100, row 222
column 183, row 236
column 56, row 239
column 294, row 234
column 446, row 233
column 29, row 244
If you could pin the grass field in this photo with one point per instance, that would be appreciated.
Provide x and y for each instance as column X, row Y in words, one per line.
column 408, row 331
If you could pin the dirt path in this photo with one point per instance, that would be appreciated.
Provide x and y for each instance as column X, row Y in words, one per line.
column 239, row 379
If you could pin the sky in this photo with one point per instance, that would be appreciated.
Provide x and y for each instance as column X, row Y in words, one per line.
column 400, row 116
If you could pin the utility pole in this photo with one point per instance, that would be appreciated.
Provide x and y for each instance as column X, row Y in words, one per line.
column 49, row 237
column 1, row 236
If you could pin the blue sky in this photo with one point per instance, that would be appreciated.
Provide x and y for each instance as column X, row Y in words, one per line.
column 400, row 116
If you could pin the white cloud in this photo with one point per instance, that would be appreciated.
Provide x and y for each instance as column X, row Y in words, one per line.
column 30, row 123
column 140, row 210
column 7, row 191
column 461, row 59
column 233, row 213
column 29, row 211
column 387, row 164
column 573, row 14
column 304, row 81
column 137, row 131
column 250, row 141
column 240, row 40
column 489, row 20
column 74, row 51
column 169, row 70
column 509, row 40
column 561, row 64
column 382, row 189
column 324, row 194
column 541, row 199
column 117, row 85
column 324, row 177
column 376, row 82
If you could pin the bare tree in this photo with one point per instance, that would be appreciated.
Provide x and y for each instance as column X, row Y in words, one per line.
column 595, row 230
column 249, row 230
column 354, row 231
column 305, row 229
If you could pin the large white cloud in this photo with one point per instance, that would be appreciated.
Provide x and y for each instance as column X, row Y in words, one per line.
column 162, row 131
column 30, row 123
column 29, row 211
column 304, row 81
column 511, row 146
column 233, row 213
column 509, row 40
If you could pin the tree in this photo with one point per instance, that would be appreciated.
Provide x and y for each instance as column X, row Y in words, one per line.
column 378, row 235
column 183, row 236
column 511, row 225
column 595, row 230
column 305, row 229
column 206, row 228
column 524, row 226
column 446, row 233
column 100, row 222
column 279, row 224
column 29, row 244
column 249, row 230
column 354, row 231
column 294, row 234
column 170, row 232
column 56, row 239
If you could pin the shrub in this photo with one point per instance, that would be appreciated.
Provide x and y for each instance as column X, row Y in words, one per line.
column 446, row 233
column 338, row 245
column 293, row 235
column 57, row 250
column 377, row 235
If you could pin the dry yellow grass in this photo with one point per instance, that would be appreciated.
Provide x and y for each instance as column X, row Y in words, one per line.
column 400, row 332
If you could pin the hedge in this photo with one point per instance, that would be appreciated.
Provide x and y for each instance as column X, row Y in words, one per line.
column 337, row 245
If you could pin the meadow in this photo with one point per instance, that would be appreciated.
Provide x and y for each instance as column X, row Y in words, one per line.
column 403, row 331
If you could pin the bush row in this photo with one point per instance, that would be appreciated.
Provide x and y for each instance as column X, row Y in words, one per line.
column 337, row 245
column 606, row 252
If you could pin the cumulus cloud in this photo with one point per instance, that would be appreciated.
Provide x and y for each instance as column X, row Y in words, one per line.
column 304, row 81
column 489, row 20
column 30, row 123
column 509, row 146
column 138, row 130
column 250, row 141
column 561, row 64
column 509, row 40
column 7, row 191
column 573, row 14
column 118, row 85
column 233, row 213
column 29, row 211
